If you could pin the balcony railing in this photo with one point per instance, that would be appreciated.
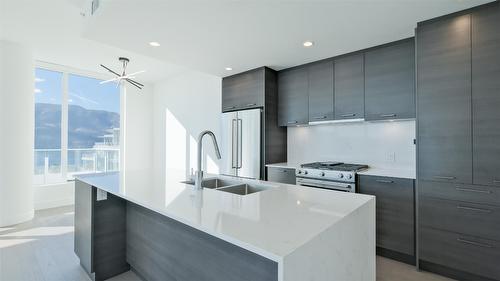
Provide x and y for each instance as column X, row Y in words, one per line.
column 48, row 163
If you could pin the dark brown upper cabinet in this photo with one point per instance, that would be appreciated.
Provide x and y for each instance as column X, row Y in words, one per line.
column 486, row 95
column 390, row 81
column 444, row 100
column 293, row 97
column 244, row 90
column 321, row 96
column 349, row 87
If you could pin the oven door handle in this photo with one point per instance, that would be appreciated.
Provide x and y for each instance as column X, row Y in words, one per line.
column 325, row 184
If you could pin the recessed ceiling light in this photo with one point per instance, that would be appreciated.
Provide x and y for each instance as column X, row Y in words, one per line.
column 308, row 44
column 228, row 68
column 154, row 44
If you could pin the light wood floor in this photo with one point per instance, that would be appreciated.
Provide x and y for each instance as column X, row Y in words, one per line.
column 42, row 250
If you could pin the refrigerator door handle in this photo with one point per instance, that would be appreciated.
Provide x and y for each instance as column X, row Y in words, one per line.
column 234, row 145
column 240, row 143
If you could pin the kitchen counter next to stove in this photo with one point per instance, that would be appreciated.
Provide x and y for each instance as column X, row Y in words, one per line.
column 311, row 234
column 284, row 165
column 371, row 171
column 389, row 172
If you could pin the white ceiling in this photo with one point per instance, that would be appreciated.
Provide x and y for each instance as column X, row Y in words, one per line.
column 54, row 28
column 211, row 35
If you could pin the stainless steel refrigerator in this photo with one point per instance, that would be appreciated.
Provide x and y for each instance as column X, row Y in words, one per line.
column 241, row 143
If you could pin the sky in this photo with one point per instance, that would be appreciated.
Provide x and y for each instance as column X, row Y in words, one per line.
column 83, row 91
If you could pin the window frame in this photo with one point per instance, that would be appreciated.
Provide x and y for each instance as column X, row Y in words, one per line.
column 66, row 71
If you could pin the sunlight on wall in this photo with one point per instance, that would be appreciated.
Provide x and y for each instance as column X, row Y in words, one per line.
column 212, row 165
column 175, row 143
column 193, row 152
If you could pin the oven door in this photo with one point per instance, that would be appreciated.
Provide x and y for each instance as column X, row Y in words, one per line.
column 334, row 185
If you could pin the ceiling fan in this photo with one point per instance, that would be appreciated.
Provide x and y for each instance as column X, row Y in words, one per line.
column 124, row 77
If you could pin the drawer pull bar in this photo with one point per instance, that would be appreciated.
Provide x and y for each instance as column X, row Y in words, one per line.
column 387, row 115
column 465, row 241
column 385, row 181
column 348, row 115
column 293, row 122
column 319, row 117
column 473, row 209
column 496, row 181
column 444, row 178
column 230, row 107
column 250, row 104
column 473, row 190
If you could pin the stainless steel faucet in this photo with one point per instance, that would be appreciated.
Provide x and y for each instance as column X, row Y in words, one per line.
column 199, row 173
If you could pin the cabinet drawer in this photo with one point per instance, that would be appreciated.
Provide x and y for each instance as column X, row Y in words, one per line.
column 460, row 252
column 461, row 192
column 463, row 217
column 395, row 211
column 281, row 175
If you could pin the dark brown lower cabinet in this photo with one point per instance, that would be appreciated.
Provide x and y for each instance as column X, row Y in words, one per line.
column 281, row 175
column 459, row 227
column 395, row 217
column 459, row 256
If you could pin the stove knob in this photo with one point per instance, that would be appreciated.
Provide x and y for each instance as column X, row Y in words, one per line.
column 322, row 174
column 305, row 172
column 349, row 176
column 299, row 172
column 341, row 176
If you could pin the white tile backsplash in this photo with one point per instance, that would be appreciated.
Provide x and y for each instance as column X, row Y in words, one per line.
column 385, row 144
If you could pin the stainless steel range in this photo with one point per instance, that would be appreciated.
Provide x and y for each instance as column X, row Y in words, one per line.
column 329, row 175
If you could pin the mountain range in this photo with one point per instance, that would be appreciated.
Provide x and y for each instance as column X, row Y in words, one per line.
column 85, row 126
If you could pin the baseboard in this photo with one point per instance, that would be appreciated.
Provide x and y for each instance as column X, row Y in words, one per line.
column 396, row 256
column 450, row 272
column 17, row 218
column 42, row 205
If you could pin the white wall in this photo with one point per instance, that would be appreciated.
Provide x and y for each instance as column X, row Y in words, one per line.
column 185, row 105
column 16, row 133
column 378, row 144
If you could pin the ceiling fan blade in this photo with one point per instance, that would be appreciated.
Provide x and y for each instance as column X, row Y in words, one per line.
column 133, row 81
column 140, row 88
column 110, row 80
column 110, row 70
column 131, row 74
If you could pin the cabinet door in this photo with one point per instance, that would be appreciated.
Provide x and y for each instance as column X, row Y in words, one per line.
column 486, row 95
column 282, row 175
column 444, row 100
column 245, row 90
column 293, row 100
column 349, row 87
column 390, row 82
column 395, row 212
column 321, row 91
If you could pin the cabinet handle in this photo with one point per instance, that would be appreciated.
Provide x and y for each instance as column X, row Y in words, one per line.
column 319, row 117
column 444, row 178
column 292, row 122
column 250, row 104
column 472, row 190
column 384, row 181
column 496, row 181
column 465, row 241
column 230, row 107
column 348, row 115
column 473, row 209
column 388, row 115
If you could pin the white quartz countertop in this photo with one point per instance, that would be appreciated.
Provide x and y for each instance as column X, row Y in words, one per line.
column 390, row 172
column 284, row 165
column 371, row 171
column 272, row 223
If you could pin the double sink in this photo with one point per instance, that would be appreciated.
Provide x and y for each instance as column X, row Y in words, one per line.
column 231, row 186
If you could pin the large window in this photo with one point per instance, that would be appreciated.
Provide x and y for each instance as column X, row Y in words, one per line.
column 77, row 126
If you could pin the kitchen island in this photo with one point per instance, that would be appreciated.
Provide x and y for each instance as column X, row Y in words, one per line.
column 170, row 231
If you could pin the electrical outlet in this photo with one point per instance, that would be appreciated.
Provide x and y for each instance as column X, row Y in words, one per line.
column 391, row 157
